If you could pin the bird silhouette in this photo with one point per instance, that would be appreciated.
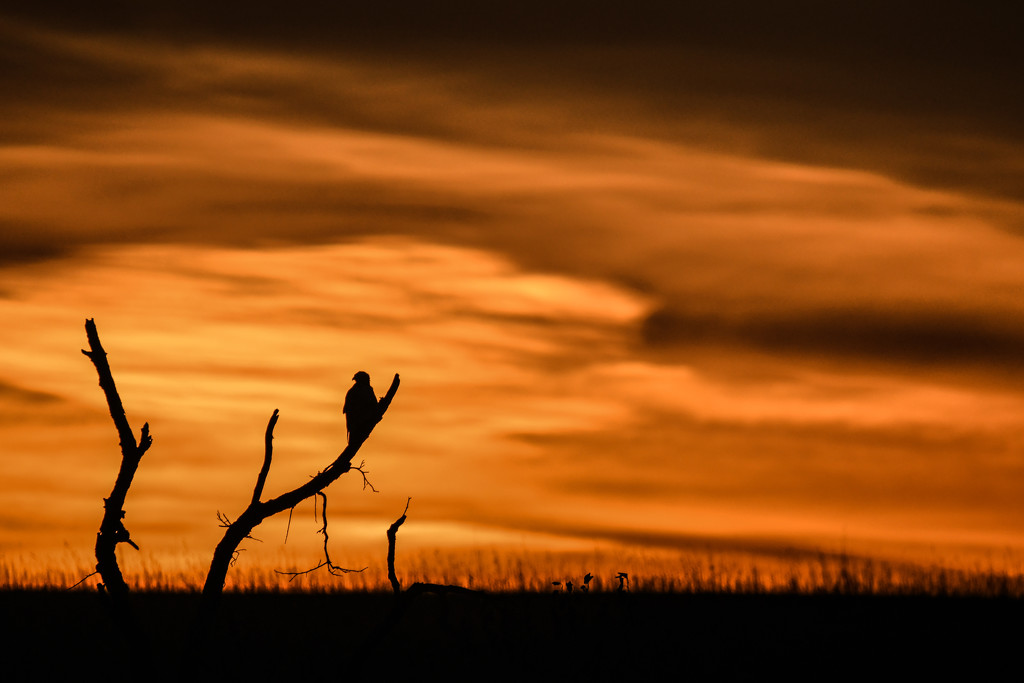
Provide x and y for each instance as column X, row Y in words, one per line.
column 361, row 409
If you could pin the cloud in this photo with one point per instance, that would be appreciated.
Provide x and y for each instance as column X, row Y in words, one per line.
column 14, row 394
column 922, row 336
column 926, row 98
column 677, row 477
column 205, row 342
column 562, row 224
column 22, row 242
column 732, row 249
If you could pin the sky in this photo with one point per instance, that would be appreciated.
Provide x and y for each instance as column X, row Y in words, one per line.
column 737, row 275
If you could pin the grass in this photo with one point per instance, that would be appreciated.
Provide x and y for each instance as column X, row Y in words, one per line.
column 704, row 614
column 696, row 572
column 596, row 636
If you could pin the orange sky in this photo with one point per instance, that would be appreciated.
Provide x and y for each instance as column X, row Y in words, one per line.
column 640, row 289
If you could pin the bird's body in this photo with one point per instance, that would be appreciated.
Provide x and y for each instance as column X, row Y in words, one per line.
column 361, row 409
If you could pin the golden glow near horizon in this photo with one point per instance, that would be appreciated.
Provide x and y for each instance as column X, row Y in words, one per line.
column 605, row 336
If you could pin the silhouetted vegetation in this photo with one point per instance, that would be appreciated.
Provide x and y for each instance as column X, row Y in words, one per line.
column 540, row 636
column 821, row 616
column 364, row 412
column 112, row 529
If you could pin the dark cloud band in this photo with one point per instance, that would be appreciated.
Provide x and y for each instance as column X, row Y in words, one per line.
column 929, row 337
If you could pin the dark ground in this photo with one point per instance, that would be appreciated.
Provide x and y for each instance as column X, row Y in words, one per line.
column 51, row 635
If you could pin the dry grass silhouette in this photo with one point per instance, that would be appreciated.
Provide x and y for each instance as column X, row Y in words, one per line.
column 534, row 572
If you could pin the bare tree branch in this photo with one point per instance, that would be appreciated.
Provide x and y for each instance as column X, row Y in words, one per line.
column 257, row 511
column 83, row 580
column 288, row 528
column 419, row 587
column 392, row 534
column 403, row 599
column 112, row 530
column 261, row 480
column 334, row 569
column 366, row 481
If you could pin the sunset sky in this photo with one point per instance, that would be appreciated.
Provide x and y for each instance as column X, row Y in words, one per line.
column 739, row 274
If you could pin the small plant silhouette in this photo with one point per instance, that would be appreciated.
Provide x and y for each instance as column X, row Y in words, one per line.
column 569, row 587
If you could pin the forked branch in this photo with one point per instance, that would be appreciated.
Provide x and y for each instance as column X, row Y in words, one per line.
column 112, row 530
column 258, row 510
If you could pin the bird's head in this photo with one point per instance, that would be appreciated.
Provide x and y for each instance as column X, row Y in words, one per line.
column 361, row 377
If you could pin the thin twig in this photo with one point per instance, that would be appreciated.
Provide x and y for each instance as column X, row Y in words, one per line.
column 84, row 578
column 288, row 528
column 366, row 482
column 334, row 569
column 235, row 555
column 225, row 523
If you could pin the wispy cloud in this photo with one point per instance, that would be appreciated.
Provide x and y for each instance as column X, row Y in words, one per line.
column 641, row 286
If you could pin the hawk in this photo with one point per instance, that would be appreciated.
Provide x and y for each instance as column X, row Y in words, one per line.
column 361, row 409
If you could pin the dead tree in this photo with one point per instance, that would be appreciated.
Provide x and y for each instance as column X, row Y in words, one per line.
column 392, row 535
column 380, row 636
column 112, row 529
column 419, row 587
column 257, row 510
